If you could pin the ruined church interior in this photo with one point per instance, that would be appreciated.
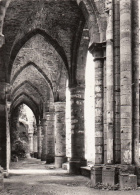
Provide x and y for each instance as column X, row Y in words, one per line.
column 69, row 96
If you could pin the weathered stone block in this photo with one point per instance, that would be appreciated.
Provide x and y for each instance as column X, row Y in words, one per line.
column 75, row 166
column 59, row 160
column 99, row 158
column 126, row 169
column 137, row 172
column 127, row 181
column 86, row 171
column 109, row 176
column 96, row 175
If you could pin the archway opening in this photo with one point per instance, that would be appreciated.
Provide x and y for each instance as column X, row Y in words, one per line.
column 22, row 134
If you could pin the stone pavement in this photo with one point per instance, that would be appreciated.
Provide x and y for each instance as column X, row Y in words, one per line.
column 33, row 177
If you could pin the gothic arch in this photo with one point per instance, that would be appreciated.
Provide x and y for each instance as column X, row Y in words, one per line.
column 29, row 105
column 30, row 84
column 26, row 95
column 18, row 45
column 25, row 99
column 36, row 67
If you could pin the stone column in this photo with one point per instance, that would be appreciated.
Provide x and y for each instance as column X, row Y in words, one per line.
column 44, row 134
column 116, row 37
column 39, row 140
column 77, row 130
column 50, row 138
column 60, row 134
column 8, row 146
column 135, row 80
column 126, row 81
column 68, row 124
column 3, row 125
column 30, row 135
column 110, row 86
column 3, row 160
column 97, row 52
column 35, row 146
column 104, row 106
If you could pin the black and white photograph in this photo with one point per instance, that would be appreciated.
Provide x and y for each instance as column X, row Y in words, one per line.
column 69, row 97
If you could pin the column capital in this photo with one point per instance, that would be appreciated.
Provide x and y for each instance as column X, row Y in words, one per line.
column 50, row 116
column 43, row 121
column 97, row 47
column 30, row 133
column 60, row 106
column 77, row 87
column 39, row 124
column 78, row 92
column 8, row 88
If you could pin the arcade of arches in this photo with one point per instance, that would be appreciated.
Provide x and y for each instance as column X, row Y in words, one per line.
column 43, row 54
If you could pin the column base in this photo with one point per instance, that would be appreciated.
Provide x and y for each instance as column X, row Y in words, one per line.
column 35, row 154
column 59, row 160
column 137, row 172
column 109, row 175
column 1, row 178
column 49, row 160
column 43, row 157
column 28, row 155
column 127, row 181
column 96, row 175
column 32, row 154
column 5, row 173
column 75, row 164
column 38, row 156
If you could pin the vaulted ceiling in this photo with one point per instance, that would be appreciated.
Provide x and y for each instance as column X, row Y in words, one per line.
column 41, row 39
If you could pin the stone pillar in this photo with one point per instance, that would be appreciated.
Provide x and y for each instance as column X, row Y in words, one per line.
column 97, row 52
column 30, row 143
column 60, row 134
column 77, row 130
column 110, row 87
column 35, row 146
column 44, row 134
column 116, row 37
column 39, row 140
column 8, row 146
column 3, row 125
column 50, row 138
column 135, row 80
column 3, row 160
column 104, row 106
column 126, row 81
column 68, row 124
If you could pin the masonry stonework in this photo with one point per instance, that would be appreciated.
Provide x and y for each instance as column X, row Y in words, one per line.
column 43, row 46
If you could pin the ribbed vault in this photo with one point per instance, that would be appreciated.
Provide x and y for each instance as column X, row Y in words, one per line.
column 29, row 85
column 44, row 56
column 31, row 74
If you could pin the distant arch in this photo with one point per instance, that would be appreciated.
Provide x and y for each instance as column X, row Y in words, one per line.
column 30, row 84
column 36, row 67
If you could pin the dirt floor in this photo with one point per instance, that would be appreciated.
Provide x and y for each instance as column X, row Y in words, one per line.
column 33, row 177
